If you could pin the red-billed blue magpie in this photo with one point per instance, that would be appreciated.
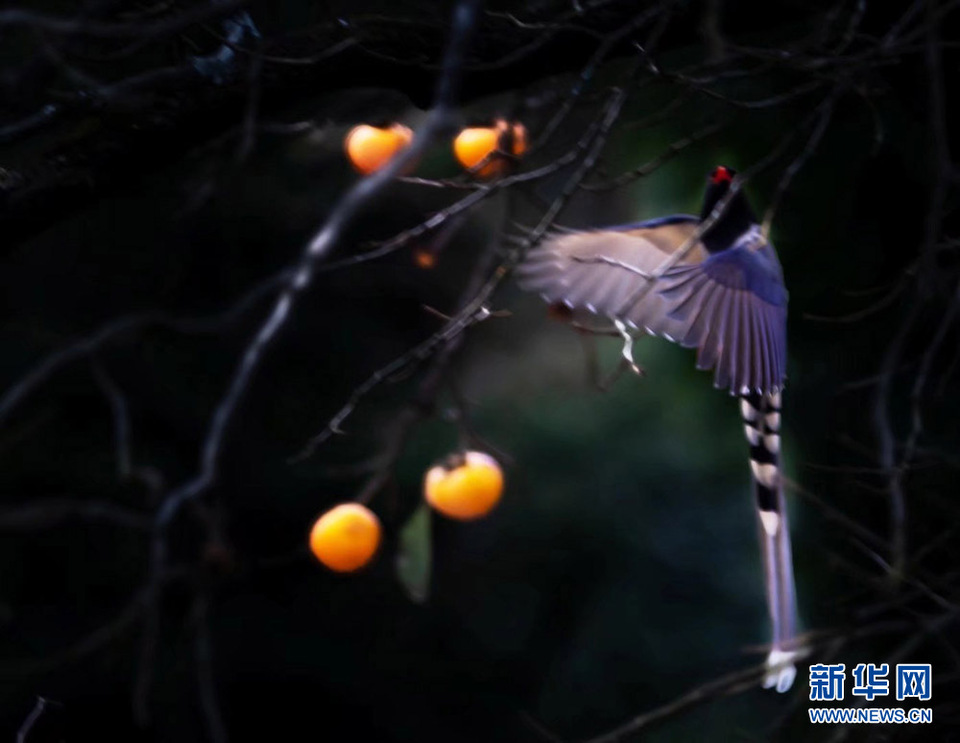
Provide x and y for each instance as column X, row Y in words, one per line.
column 724, row 296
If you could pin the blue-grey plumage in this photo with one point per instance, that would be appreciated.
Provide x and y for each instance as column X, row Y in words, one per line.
column 733, row 309
column 724, row 296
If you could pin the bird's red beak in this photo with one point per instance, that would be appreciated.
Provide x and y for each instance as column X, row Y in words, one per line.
column 721, row 175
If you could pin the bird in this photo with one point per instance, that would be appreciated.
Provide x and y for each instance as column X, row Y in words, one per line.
column 712, row 282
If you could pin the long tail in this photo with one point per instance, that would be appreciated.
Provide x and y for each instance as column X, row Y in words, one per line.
column 761, row 419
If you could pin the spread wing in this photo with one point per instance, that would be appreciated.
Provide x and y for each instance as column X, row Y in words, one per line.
column 732, row 308
column 603, row 270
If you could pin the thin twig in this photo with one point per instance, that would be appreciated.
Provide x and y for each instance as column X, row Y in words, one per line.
column 89, row 345
column 121, row 416
column 732, row 683
column 35, row 714
column 206, row 683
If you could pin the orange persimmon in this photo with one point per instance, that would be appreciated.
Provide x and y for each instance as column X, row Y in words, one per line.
column 346, row 537
column 370, row 148
column 465, row 487
column 490, row 149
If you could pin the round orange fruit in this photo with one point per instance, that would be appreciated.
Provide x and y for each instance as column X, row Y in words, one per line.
column 370, row 148
column 466, row 487
column 346, row 537
column 487, row 150
column 425, row 259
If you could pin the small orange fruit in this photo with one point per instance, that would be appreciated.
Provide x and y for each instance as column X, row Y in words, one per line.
column 491, row 145
column 372, row 147
column 346, row 537
column 466, row 487
column 425, row 259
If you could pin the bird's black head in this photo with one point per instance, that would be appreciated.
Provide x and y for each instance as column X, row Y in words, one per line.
column 737, row 217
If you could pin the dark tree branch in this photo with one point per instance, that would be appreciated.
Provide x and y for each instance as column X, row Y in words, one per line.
column 35, row 714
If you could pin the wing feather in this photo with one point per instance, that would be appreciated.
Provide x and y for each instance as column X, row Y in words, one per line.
column 711, row 352
column 700, row 328
column 732, row 309
column 731, row 351
column 604, row 270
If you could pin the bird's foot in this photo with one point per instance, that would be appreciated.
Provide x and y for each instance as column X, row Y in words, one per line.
column 627, row 352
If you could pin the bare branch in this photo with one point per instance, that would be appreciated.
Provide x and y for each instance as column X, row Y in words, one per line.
column 35, row 714
column 587, row 73
column 826, row 111
column 47, row 513
column 733, row 683
column 88, row 346
column 89, row 644
column 920, row 380
column 206, row 684
column 121, row 417
column 883, row 427
column 317, row 249
column 111, row 30
column 674, row 149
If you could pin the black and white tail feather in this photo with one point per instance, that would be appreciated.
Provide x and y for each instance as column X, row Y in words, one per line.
column 761, row 425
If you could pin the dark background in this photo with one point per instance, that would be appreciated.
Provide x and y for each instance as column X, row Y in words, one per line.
column 621, row 569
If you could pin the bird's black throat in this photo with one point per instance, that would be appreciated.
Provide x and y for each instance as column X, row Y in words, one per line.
column 736, row 219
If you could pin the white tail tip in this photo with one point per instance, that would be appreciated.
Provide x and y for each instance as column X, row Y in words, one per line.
column 780, row 670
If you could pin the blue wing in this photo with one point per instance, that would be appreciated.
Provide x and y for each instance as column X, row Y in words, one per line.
column 649, row 224
column 732, row 307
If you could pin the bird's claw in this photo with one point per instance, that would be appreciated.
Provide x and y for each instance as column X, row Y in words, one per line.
column 627, row 351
